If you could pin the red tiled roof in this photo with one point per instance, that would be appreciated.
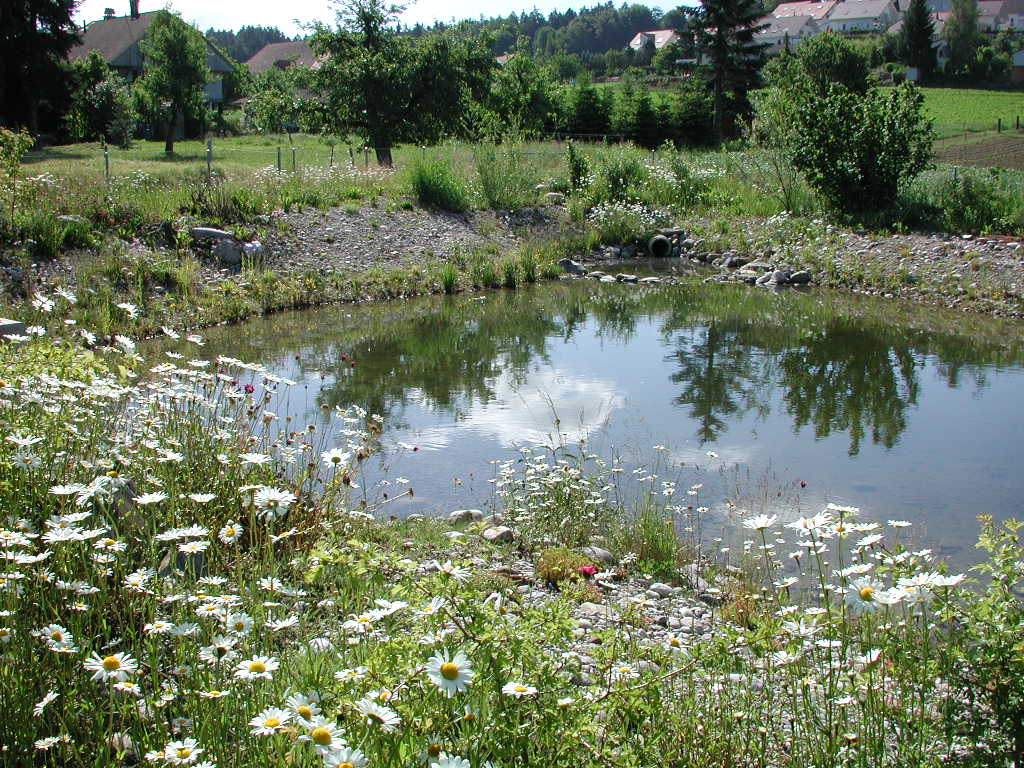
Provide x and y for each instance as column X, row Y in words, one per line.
column 298, row 53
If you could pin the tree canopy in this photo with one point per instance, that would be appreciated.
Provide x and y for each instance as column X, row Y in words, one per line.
column 916, row 49
column 393, row 88
column 35, row 37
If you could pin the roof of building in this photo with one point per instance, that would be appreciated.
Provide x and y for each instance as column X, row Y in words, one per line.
column 794, row 26
column 298, row 53
column 816, row 11
column 859, row 9
column 661, row 36
column 938, row 20
column 112, row 36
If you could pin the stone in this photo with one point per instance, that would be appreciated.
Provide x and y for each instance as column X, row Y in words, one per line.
column 622, row 277
column 629, row 252
column 691, row 575
column 228, row 252
column 649, row 280
column 764, row 279
column 554, row 198
column 800, row 277
column 599, row 555
column 758, row 266
column 209, row 233
column 734, row 262
column 415, row 518
column 11, row 328
column 492, row 520
column 572, row 267
column 780, row 277
column 502, row 534
column 598, row 274
column 594, row 610
column 465, row 515
column 608, row 279
column 253, row 250
column 661, row 589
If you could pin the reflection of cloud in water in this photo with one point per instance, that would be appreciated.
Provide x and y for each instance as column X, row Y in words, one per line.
column 525, row 415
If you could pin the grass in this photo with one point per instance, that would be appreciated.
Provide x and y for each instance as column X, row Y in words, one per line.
column 967, row 110
column 191, row 580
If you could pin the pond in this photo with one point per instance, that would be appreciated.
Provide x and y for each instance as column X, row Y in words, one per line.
column 774, row 402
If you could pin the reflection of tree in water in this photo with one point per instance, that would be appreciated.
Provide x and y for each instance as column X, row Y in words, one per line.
column 851, row 377
column 721, row 374
column 445, row 357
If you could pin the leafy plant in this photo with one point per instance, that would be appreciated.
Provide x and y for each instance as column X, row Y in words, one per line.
column 13, row 147
column 435, row 183
column 506, row 177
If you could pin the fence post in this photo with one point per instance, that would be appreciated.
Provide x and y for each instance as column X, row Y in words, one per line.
column 106, row 163
column 1018, row 122
column 332, row 156
column 209, row 160
column 279, row 158
column 999, row 125
column 351, row 158
column 294, row 167
column 366, row 158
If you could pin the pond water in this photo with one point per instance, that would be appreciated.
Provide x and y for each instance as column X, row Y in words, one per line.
column 775, row 402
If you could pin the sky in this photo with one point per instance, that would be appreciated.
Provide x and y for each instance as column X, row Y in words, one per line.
column 289, row 16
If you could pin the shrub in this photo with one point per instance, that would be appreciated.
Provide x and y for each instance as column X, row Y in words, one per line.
column 507, row 180
column 579, row 167
column 622, row 222
column 967, row 201
column 435, row 183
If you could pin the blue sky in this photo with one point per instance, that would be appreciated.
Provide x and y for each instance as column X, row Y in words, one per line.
column 289, row 16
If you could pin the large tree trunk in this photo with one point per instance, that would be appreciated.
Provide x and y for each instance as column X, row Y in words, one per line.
column 382, row 149
column 719, row 116
column 169, row 136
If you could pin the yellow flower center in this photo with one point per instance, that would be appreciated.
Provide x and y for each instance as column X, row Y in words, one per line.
column 215, row 693
column 56, row 636
column 346, row 764
column 272, row 722
column 434, row 750
column 183, row 752
column 321, row 736
column 258, row 667
column 304, row 711
column 674, row 642
column 111, row 663
column 229, row 533
column 449, row 671
column 867, row 593
column 521, row 689
column 239, row 626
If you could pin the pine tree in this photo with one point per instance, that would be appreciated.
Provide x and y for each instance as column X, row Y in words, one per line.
column 35, row 36
column 916, row 49
column 726, row 34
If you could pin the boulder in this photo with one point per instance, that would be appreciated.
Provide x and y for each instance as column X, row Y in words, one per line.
column 650, row 280
column 600, row 555
column 800, row 277
column 780, row 277
column 501, row 534
column 465, row 516
column 228, row 252
column 572, row 267
column 608, row 279
column 661, row 589
column 209, row 233
column 624, row 278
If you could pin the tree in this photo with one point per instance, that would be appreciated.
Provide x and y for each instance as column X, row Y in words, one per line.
column 35, row 37
column 522, row 95
column 726, row 35
column 392, row 88
column 174, row 72
column 916, row 49
column 101, row 105
column 961, row 31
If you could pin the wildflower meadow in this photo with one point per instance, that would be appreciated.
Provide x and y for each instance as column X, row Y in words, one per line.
column 191, row 579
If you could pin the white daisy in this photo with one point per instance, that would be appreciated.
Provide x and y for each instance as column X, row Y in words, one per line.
column 452, row 674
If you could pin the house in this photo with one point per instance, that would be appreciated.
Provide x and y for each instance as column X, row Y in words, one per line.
column 862, row 15
column 661, row 38
column 117, row 39
column 817, row 11
column 938, row 21
column 1017, row 71
column 785, row 32
column 282, row 55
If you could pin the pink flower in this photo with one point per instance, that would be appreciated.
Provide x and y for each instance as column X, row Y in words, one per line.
column 587, row 570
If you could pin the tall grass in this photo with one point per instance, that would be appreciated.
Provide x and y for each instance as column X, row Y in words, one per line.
column 435, row 183
column 506, row 175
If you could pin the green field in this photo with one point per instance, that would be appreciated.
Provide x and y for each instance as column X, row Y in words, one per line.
column 958, row 110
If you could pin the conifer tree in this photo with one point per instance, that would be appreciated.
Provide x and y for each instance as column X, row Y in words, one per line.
column 962, row 33
column 916, row 47
column 726, row 34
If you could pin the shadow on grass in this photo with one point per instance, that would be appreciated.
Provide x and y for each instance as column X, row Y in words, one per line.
column 56, row 153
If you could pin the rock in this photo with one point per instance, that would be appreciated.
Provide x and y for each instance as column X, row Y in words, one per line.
column 650, row 280
column 209, row 233
column 253, row 250
column 594, row 610
column 625, row 278
column 599, row 555
column 691, row 575
column 572, row 267
column 800, row 277
column 734, row 262
column 554, row 198
column 780, row 277
column 758, row 266
column 415, row 518
column 764, row 279
column 629, row 252
column 598, row 274
column 661, row 589
column 493, row 520
column 499, row 535
column 689, row 244
column 465, row 515
column 11, row 328
column 228, row 252
column 608, row 279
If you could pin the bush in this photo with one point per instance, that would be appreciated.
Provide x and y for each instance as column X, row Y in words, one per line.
column 856, row 151
column 435, row 183
column 561, row 564
column 506, row 177
column 967, row 201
